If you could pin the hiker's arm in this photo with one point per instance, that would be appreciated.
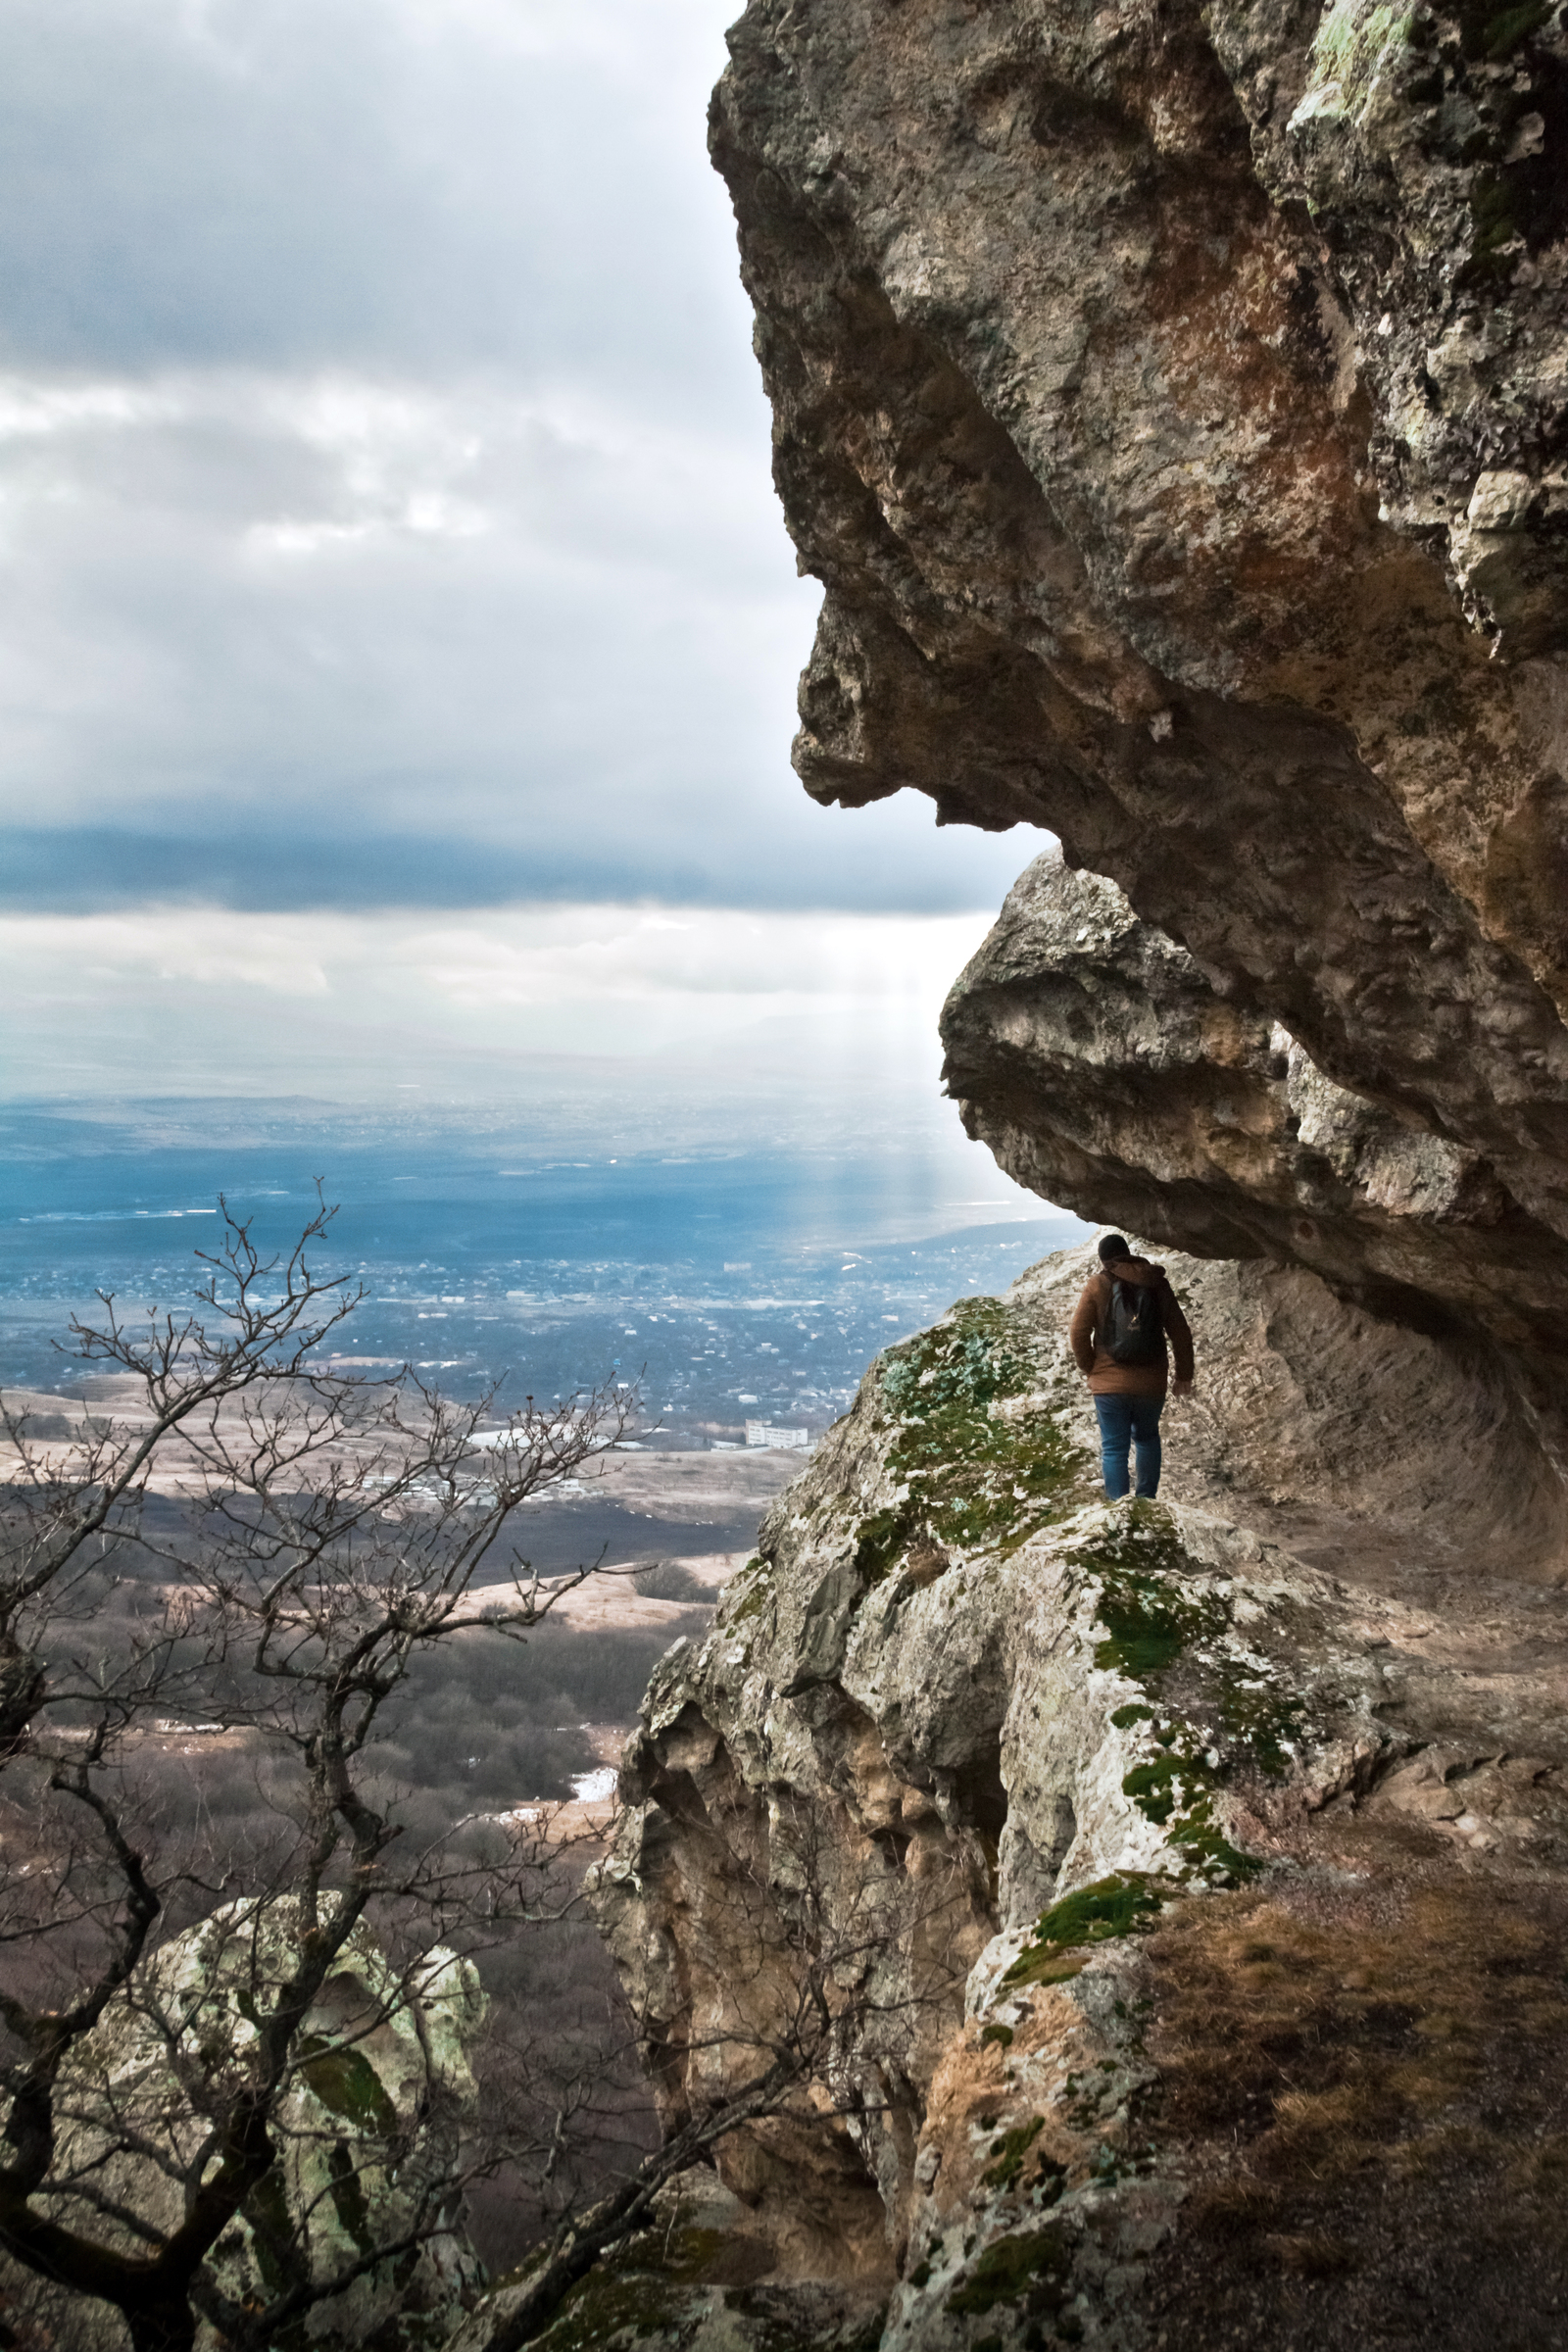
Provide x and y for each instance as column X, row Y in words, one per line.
column 1180, row 1336
column 1081, row 1330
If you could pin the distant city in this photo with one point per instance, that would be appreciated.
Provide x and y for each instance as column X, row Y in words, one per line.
column 737, row 1295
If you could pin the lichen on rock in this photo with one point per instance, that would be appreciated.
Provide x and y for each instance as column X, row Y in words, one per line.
column 367, row 2133
column 988, row 1753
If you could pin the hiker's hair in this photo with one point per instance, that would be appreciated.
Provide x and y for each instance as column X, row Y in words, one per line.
column 1114, row 1244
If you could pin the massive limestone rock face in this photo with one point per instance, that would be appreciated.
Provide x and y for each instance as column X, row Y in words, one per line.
column 1093, row 1057
column 1172, row 399
column 1094, row 1812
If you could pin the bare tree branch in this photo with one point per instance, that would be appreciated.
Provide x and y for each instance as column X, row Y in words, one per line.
column 342, row 1525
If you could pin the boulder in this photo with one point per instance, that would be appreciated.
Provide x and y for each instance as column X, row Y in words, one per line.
column 368, row 2132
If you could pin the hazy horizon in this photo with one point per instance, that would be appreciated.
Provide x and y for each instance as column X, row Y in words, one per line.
column 398, row 629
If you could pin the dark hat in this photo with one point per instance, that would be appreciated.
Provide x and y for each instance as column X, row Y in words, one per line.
column 1114, row 1244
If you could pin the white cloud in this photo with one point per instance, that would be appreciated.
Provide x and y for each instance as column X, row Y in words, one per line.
column 384, row 499
column 375, row 617
column 33, row 408
column 353, row 1008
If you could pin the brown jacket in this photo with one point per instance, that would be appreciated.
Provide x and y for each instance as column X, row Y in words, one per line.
column 1085, row 1334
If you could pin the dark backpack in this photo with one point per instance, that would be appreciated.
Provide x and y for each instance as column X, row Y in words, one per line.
column 1135, row 1330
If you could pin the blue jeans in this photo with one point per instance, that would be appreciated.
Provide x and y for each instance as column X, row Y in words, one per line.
column 1124, row 1421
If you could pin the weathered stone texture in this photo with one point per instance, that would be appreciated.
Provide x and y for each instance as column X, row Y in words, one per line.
column 367, row 2135
column 1171, row 400
column 1094, row 1058
column 1172, row 404
column 956, row 1698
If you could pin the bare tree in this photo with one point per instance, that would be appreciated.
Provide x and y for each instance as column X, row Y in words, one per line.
column 194, row 2127
column 236, row 2082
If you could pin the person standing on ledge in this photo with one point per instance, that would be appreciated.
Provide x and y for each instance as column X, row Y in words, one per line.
column 1118, row 1336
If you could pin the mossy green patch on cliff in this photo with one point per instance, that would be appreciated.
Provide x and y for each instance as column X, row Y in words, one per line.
column 972, row 1480
column 1013, row 2266
column 272, row 2227
column 1010, row 2151
column 604, row 2307
column 346, row 2084
column 1263, row 1721
column 1352, row 41
column 1112, row 1906
column 1159, row 1618
column 348, row 2196
column 1150, row 1617
column 748, row 1593
column 1176, row 1792
column 1491, row 208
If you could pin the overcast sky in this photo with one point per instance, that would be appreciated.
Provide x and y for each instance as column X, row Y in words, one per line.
column 387, row 546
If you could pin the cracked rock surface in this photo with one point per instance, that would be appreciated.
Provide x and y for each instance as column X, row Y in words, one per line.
column 1171, row 400
column 1096, row 1059
column 1018, row 1760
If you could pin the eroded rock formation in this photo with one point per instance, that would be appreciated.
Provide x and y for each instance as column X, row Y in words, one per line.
column 1096, row 1059
column 365, row 2139
column 1172, row 404
column 967, row 1729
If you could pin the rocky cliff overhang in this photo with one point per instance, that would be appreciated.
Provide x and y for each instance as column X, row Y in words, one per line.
column 1095, row 1058
column 1171, row 400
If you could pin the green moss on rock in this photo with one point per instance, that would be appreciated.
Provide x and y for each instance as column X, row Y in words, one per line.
column 1008, row 2152
column 748, row 1594
column 1125, row 1717
column 348, row 2197
column 1012, row 2266
column 1150, row 1619
column 346, row 2084
column 1112, row 1906
column 1162, row 1627
column 606, row 2306
column 971, row 1481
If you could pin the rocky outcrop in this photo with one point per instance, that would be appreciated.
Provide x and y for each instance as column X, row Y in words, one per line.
column 1096, row 1059
column 366, row 2137
column 975, row 1734
column 1171, row 402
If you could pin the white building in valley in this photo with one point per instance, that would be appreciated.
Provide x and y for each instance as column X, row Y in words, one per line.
column 785, row 1441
